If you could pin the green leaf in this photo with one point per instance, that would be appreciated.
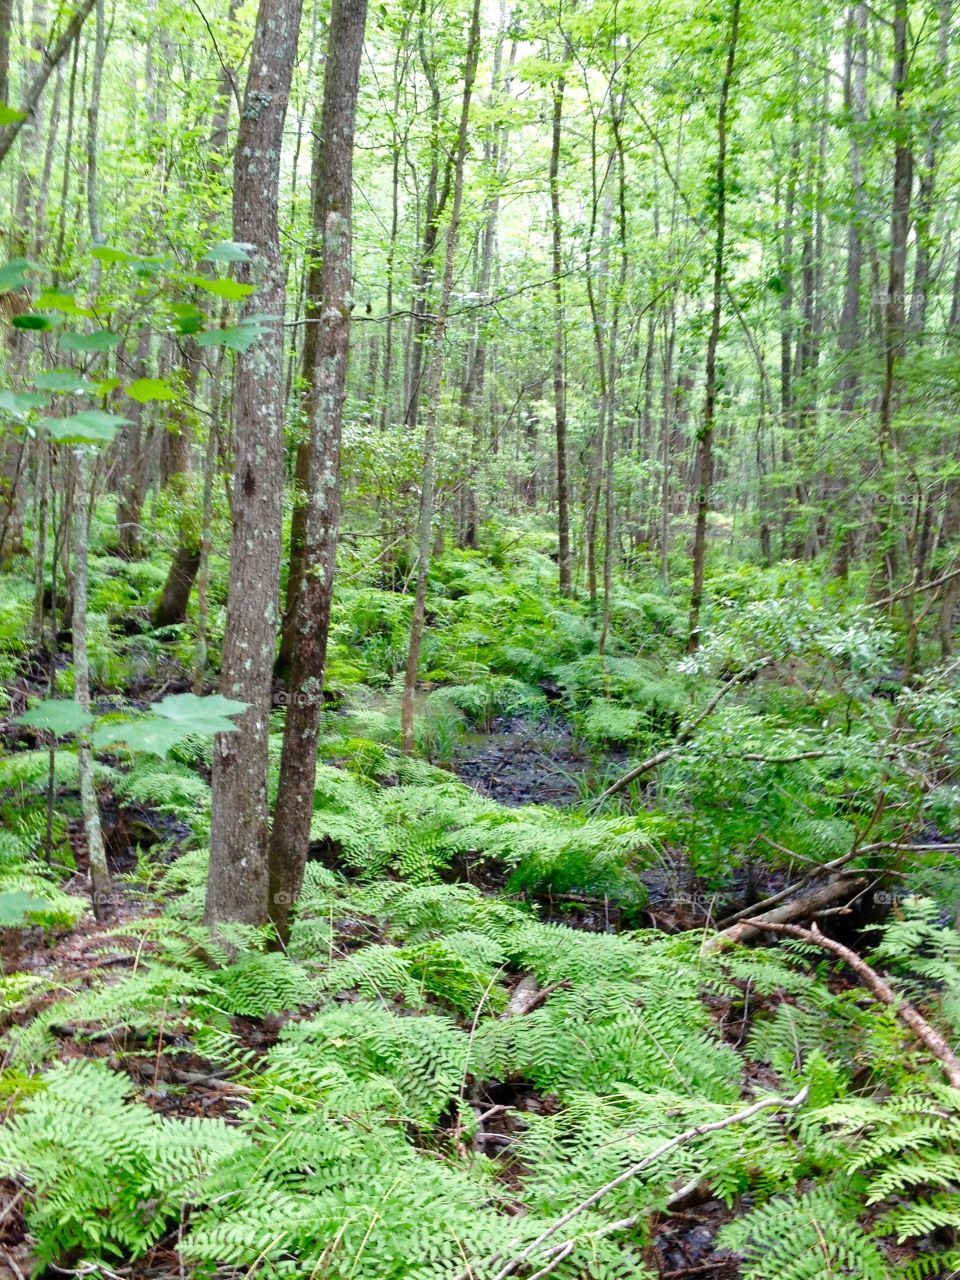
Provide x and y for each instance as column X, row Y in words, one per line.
column 153, row 265
column 238, row 337
column 146, row 389
column 229, row 251
column 90, row 426
column 204, row 715
column 106, row 253
column 178, row 716
column 20, row 403
column 16, row 907
column 101, row 340
column 65, row 302
column 187, row 317
column 60, row 715
column 35, row 320
column 222, row 287
column 64, row 381
column 10, row 115
column 151, row 734
column 13, row 274
column 188, row 325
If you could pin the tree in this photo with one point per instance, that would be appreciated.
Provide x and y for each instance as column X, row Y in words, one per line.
column 705, row 432
column 329, row 303
column 427, row 483
column 238, row 877
column 559, row 386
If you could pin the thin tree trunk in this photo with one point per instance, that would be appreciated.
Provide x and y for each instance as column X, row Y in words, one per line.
column 100, row 885
column 894, row 321
column 93, row 129
column 48, row 63
column 477, row 352
column 923, row 262
column 559, row 376
column 6, row 22
column 425, row 522
column 855, row 101
column 40, row 542
column 392, row 250
column 719, row 268
column 326, row 346
column 238, row 877
column 610, row 450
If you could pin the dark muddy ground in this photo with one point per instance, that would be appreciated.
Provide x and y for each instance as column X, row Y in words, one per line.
column 531, row 762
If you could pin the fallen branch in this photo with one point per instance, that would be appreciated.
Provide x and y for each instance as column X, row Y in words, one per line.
column 878, row 986
column 529, row 995
column 562, row 1250
column 684, row 735
column 794, row 759
column 822, row 868
column 914, row 588
column 824, row 895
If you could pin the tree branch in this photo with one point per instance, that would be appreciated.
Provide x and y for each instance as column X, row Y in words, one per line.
column 684, row 735
column 562, row 1250
column 878, row 986
column 48, row 64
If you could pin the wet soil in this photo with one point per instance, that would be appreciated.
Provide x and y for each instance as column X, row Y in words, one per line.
column 522, row 761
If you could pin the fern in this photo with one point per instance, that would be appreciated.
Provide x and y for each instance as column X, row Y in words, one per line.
column 106, row 1174
column 808, row 1237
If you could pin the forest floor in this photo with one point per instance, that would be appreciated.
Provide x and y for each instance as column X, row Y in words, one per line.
column 548, row 953
column 515, row 762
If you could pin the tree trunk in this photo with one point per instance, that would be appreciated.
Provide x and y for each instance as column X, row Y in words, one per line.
column 171, row 608
column 855, row 101
column 101, row 888
column 48, row 63
column 425, row 521
column 6, row 22
column 237, row 882
column 612, row 357
column 495, row 157
column 705, row 451
column 326, row 346
column 133, row 463
column 559, row 379
column 894, row 323
column 923, row 262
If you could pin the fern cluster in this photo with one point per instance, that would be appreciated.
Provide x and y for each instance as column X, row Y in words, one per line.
column 418, row 828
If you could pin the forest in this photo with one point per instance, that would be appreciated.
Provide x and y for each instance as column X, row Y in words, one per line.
column 479, row 674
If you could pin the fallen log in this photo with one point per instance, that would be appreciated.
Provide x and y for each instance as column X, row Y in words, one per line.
column 807, row 904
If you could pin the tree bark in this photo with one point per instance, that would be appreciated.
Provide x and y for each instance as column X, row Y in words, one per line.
column 237, row 881
column 326, row 346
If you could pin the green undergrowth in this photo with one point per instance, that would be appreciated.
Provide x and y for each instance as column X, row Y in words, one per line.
column 350, row 1142
column 373, row 1101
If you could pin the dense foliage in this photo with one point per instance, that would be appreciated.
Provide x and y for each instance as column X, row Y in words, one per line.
column 479, row 527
